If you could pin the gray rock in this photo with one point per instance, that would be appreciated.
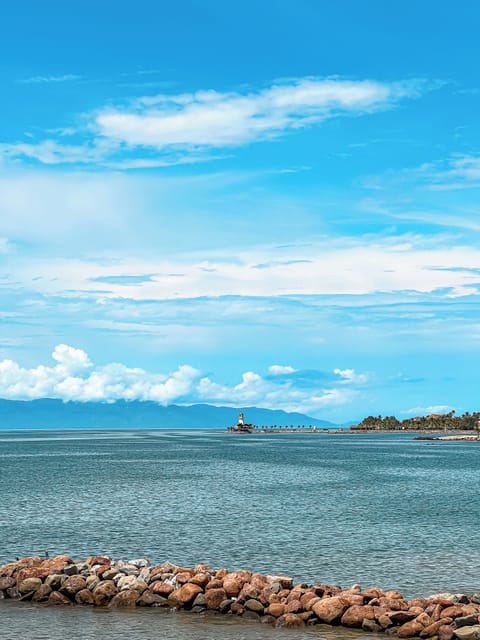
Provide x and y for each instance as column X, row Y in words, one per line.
column 92, row 582
column 200, row 601
column 468, row 633
column 465, row 621
column 12, row 593
column 71, row 570
column 371, row 626
column 6, row 583
column 54, row 581
column 140, row 563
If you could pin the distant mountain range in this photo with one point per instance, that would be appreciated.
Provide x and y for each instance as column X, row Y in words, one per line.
column 56, row 414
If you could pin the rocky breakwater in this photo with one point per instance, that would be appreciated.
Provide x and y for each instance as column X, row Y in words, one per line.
column 276, row 600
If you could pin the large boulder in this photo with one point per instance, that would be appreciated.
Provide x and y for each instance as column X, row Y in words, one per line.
column 124, row 600
column 28, row 585
column 104, row 592
column 214, row 598
column 356, row 614
column 330, row 610
column 183, row 596
column 58, row 599
column 85, row 596
column 73, row 584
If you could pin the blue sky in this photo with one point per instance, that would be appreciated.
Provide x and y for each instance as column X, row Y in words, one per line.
column 270, row 204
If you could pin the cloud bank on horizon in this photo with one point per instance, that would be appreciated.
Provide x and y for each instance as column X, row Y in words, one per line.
column 283, row 205
column 75, row 377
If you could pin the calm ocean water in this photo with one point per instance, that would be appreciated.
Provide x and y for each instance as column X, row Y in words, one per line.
column 381, row 510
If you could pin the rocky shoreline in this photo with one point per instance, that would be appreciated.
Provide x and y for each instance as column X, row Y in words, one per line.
column 102, row 582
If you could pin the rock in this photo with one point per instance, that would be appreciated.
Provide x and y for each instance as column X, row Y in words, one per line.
column 290, row 621
column 237, row 608
column 29, row 584
column 200, row 601
column 73, row 584
column 92, row 582
column 225, row 605
column 84, row 596
column 251, row 615
column 140, row 563
column 102, row 560
column 355, row 615
column 161, row 588
column 70, row 570
column 370, row 626
column 254, row 605
column 232, row 584
column 42, row 593
column 401, row 617
column 306, row 598
column 431, row 630
column 104, row 592
column 330, row 609
column 293, row 606
column 471, row 632
column 424, row 619
column 184, row 595
column 410, row 629
column 54, row 581
column 445, row 632
column 466, row 621
column 184, row 577
column 29, row 572
column 214, row 597
column 124, row 582
column 149, row 599
column 56, row 564
column 286, row 582
column 12, row 593
column 6, row 583
column 268, row 620
column 58, row 599
column 124, row 600
column 276, row 609
column 215, row 583
column 139, row 586
column 384, row 621
column 202, row 579
column 455, row 611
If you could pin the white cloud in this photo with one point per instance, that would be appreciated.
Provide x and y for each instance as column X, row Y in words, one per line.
column 350, row 375
column 180, row 128
column 75, row 377
column 215, row 119
column 280, row 370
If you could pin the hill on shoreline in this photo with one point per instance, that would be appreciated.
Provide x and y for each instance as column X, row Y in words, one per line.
column 50, row 413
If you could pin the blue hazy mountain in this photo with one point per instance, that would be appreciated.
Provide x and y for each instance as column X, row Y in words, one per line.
column 55, row 414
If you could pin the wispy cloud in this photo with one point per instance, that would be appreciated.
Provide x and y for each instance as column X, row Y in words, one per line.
column 168, row 129
column 66, row 77
column 215, row 119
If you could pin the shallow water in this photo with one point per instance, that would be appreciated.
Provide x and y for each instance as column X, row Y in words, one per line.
column 383, row 510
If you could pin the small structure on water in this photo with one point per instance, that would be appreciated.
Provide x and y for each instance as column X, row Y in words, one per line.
column 242, row 426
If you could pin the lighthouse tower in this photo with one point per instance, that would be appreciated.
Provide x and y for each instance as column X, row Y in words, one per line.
column 241, row 420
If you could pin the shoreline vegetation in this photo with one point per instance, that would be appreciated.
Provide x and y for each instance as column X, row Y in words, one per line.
column 434, row 422
column 276, row 600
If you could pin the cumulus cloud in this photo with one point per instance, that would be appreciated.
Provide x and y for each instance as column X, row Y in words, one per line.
column 75, row 377
column 434, row 408
column 350, row 375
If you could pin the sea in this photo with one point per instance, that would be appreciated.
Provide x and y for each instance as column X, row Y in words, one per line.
column 381, row 510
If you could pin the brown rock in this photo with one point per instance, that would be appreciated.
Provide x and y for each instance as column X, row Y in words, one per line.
column 179, row 570
column 353, row 599
column 221, row 573
column 55, row 565
column 104, row 592
column 424, row 619
column 306, row 597
column 183, row 596
column 371, row 626
column 294, row 606
column 202, row 579
column 93, row 560
column 214, row 584
column 290, row 621
column 183, row 577
column 369, row 594
column 29, row 572
column 431, row 630
column 445, row 632
column 232, row 584
column 161, row 588
column 214, row 598
column 237, row 609
column 416, row 610
column 410, row 629
column 330, row 609
column 384, row 621
column 148, row 599
column 58, row 599
column 254, row 605
column 401, row 617
column 276, row 609
column 73, row 584
column 84, row 596
column 124, row 600
column 29, row 584
column 6, row 583
column 42, row 593
column 394, row 594
column 355, row 615
column 286, row 582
